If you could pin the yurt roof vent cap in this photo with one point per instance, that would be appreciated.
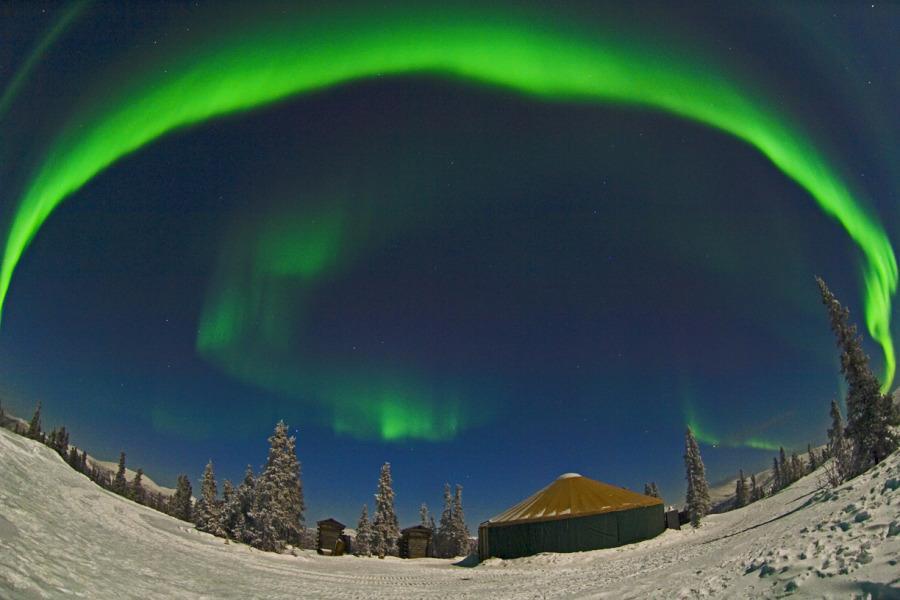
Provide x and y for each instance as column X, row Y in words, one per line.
column 569, row 475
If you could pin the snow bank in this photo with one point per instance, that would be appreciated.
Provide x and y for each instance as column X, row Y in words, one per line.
column 62, row 536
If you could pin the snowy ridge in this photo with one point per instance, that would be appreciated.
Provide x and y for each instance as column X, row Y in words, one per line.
column 722, row 493
column 148, row 484
column 11, row 422
column 62, row 536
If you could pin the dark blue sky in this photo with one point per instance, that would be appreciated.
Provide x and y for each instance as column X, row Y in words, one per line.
column 587, row 276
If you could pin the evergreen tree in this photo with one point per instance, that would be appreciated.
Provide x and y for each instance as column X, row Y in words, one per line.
column 385, row 526
column 654, row 491
column 102, row 477
column 72, row 457
column 180, row 505
column 460, row 530
column 838, row 449
column 34, row 426
column 227, row 499
column 136, row 490
column 58, row 440
column 227, row 491
column 237, row 519
column 62, row 441
column 870, row 414
column 784, row 468
column 777, row 477
column 51, row 439
column 755, row 491
column 796, row 466
column 278, row 511
column 423, row 515
column 813, row 459
column 647, row 491
column 444, row 535
column 120, row 484
column 364, row 533
column 741, row 493
column 698, row 502
column 207, row 514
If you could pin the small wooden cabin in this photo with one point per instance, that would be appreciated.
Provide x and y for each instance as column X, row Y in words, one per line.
column 672, row 520
column 329, row 532
column 415, row 542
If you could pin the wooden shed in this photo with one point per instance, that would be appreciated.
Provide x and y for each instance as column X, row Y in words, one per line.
column 415, row 542
column 329, row 532
column 672, row 519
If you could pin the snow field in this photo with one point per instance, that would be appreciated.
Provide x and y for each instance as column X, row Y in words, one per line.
column 61, row 536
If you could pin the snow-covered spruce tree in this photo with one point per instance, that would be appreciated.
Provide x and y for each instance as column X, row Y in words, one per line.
column 754, row 489
column 72, row 457
column 840, row 464
column 797, row 468
column 51, row 439
column 697, row 500
column 870, row 414
column 423, row 515
column 34, row 426
column 813, row 459
column 62, row 441
column 647, row 490
column 58, row 440
column 784, row 468
column 654, row 491
column 207, row 513
column 444, row 535
column 385, row 526
column 278, row 511
column 236, row 512
column 180, row 503
column 741, row 493
column 136, row 489
column 227, row 491
column 120, row 484
column 777, row 478
column 363, row 546
column 460, row 534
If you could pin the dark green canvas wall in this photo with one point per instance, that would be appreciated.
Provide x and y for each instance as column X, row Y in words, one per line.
column 577, row 534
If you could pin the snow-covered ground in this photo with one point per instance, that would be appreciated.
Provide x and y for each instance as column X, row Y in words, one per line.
column 62, row 536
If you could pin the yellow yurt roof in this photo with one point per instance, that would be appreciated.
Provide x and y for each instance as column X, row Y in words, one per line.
column 573, row 495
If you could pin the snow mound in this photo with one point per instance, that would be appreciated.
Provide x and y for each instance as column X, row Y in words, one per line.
column 61, row 536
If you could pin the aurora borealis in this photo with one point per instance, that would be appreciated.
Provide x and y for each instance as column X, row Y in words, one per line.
column 361, row 199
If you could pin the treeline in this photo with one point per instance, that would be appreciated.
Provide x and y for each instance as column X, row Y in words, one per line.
column 116, row 482
column 868, row 437
column 785, row 471
column 265, row 511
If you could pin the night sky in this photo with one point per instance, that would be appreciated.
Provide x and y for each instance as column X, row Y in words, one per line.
column 489, row 247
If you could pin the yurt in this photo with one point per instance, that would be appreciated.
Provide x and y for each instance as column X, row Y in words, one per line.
column 571, row 514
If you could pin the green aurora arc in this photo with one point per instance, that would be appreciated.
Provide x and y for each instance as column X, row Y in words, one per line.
column 528, row 52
